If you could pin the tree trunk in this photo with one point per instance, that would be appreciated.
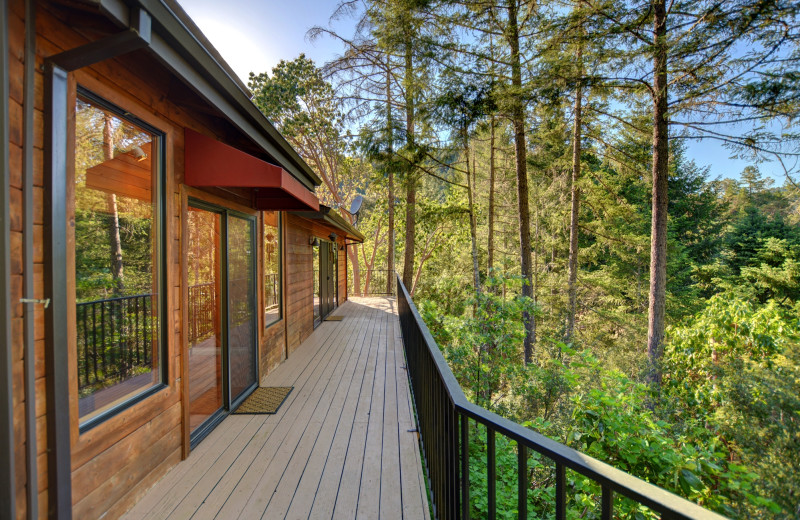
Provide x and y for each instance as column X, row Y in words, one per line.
column 658, row 229
column 352, row 253
column 520, row 152
column 411, row 181
column 473, row 231
column 117, row 272
column 490, row 246
column 573, row 222
column 389, row 137
column 408, row 257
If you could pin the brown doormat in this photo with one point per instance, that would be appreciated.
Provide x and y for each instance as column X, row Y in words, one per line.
column 334, row 318
column 264, row 400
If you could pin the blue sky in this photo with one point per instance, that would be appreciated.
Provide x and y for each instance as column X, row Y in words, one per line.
column 254, row 35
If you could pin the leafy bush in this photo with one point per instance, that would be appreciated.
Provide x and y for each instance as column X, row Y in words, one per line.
column 724, row 431
column 734, row 370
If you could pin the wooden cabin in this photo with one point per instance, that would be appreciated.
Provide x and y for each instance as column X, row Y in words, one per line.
column 163, row 250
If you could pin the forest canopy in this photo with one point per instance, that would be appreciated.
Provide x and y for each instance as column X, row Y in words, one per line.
column 525, row 169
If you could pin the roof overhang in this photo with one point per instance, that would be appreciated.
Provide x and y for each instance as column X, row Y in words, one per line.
column 208, row 162
column 180, row 46
column 334, row 220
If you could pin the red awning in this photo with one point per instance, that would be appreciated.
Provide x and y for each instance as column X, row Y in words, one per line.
column 209, row 162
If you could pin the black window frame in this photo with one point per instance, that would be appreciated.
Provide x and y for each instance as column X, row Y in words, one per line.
column 159, row 149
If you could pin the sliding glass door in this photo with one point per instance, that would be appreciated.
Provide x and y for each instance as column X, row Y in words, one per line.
column 241, row 305
column 324, row 263
column 222, row 307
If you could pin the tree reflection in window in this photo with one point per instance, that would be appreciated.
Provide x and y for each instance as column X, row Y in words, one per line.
column 272, row 267
column 116, row 274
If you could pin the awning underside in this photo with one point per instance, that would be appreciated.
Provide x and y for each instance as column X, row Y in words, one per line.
column 332, row 219
column 209, row 162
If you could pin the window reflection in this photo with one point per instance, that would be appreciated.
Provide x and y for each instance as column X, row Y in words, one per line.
column 272, row 263
column 116, row 275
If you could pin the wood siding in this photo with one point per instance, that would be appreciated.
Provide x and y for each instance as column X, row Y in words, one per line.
column 115, row 462
column 342, row 272
column 273, row 348
column 299, row 286
column 16, row 30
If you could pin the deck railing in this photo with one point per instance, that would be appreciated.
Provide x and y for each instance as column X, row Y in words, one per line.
column 445, row 416
column 373, row 283
column 202, row 311
column 115, row 336
column 272, row 294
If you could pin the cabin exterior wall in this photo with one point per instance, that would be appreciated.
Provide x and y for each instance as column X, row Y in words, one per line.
column 116, row 461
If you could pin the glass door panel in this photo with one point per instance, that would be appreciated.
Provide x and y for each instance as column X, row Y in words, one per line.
column 241, row 304
column 204, row 266
column 331, row 276
column 315, row 251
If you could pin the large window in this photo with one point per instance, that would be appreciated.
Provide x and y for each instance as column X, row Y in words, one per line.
column 118, row 254
column 272, row 267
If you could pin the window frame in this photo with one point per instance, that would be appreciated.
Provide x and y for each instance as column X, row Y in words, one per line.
column 280, row 268
column 158, row 150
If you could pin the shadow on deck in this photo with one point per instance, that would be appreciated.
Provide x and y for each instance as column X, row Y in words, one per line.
column 339, row 447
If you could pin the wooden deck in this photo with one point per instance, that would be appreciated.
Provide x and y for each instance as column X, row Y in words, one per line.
column 339, row 447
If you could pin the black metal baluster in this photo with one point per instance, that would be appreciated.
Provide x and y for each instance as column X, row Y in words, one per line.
column 125, row 352
column 561, row 492
column 138, row 332
column 608, row 503
column 452, row 453
column 437, row 413
column 464, row 467
column 522, row 481
column 113, row 349
column 106, row 362
column 491, row 470
column 86, row 360
column 148, row 329
column 94, row 341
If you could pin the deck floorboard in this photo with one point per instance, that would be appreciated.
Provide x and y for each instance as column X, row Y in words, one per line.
column 339, row 447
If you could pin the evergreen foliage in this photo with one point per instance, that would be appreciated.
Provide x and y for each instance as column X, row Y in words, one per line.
column 470, row 107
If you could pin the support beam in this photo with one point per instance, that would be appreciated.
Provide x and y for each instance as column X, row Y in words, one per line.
column 137, row 36
column 55, row 286
column 28, row 325
column 7, row 476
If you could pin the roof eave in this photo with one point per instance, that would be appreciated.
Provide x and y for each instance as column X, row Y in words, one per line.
column 179, row 44
column 333, row 219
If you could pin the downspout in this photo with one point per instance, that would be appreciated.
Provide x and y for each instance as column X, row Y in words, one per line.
column 29, row 356
column 57, row 69
column 7, row 474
